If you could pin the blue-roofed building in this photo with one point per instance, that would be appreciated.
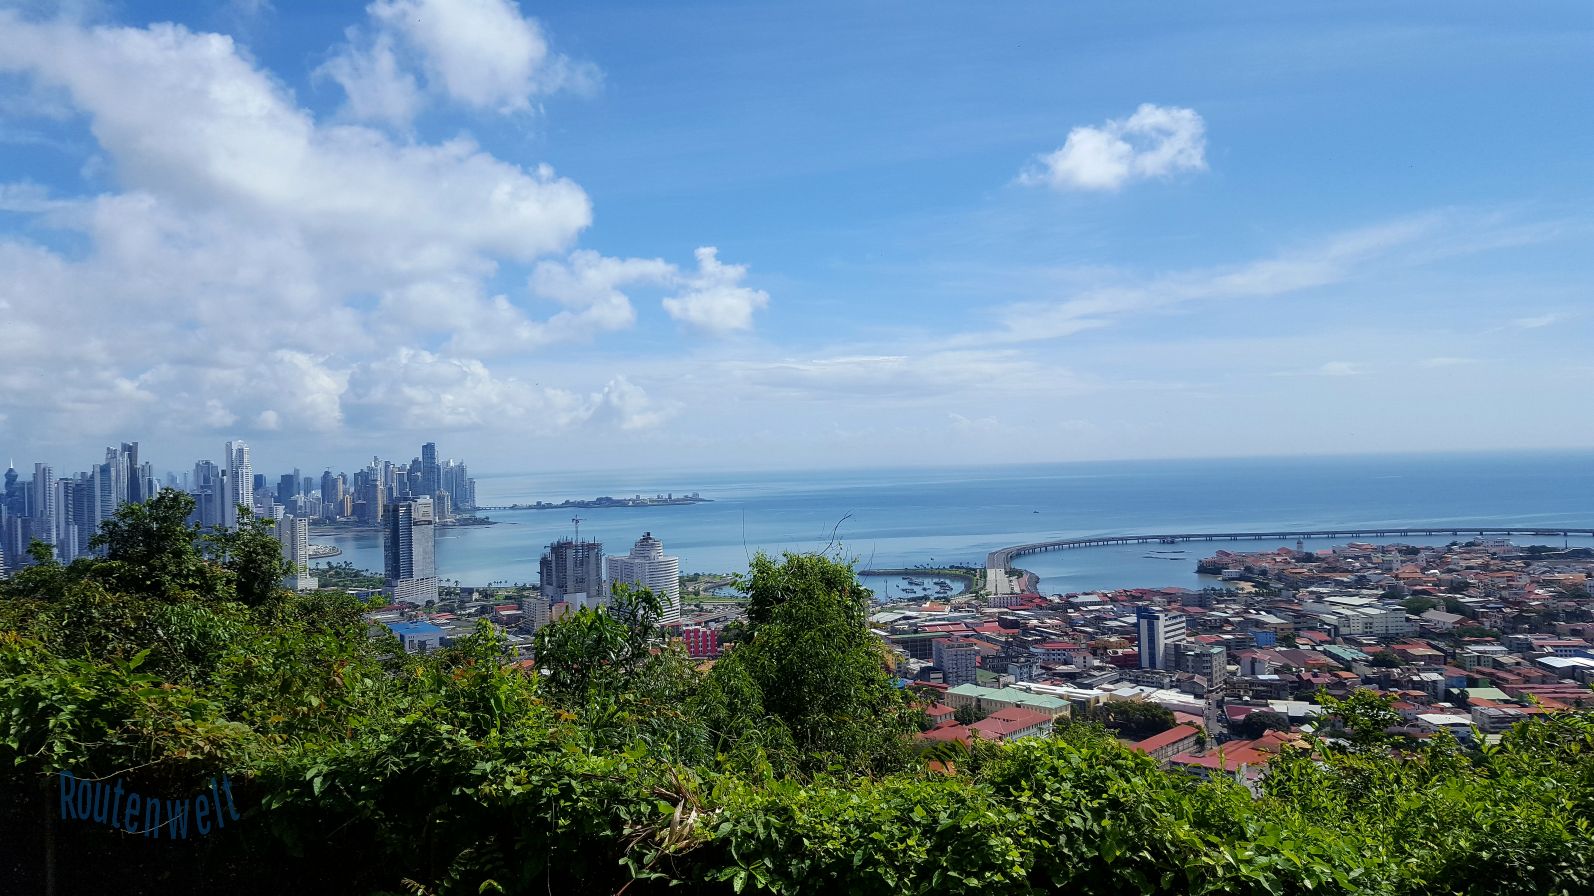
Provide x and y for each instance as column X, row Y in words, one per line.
column 417, row 637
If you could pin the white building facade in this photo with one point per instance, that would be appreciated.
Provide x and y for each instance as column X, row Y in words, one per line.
column 647, row 567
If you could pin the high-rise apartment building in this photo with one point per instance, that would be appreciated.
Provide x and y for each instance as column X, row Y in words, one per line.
column 572, row 571
column 1158, row 629
column 408, row 551
column 647, row 567
column 956, row 658
column 293, row 532
column 240, row 481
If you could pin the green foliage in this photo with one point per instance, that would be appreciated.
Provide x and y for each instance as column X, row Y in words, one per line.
column 811, row 672
column 1419, row 604
column 1134, row 719
column 1364, row 717
column 1386, row 659
column 346, row 575
column 966, row 714
column 785, row 770
column 1256, row 724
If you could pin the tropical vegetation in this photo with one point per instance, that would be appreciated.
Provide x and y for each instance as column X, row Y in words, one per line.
column 620, row 765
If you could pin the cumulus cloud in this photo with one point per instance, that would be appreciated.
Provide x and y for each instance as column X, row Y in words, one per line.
column 376, row 86
column 256, row 267
column 444, row 393
column 483, row 54
column 1156, row 141
column 714, row 299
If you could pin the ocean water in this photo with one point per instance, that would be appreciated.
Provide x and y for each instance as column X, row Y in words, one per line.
column 907, row 517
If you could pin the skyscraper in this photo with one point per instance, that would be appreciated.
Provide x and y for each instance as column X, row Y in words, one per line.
column 135, row 482
column 1158, row 629
column 647, row 567
column 572, row 570
column 69, row 536
column 431, row 473
column 294, row 534
column 240, row 481
column 39, row 520
column 210, row 495
column 411, row 569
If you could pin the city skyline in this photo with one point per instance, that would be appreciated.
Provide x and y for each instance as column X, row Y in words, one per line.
column 614, row 236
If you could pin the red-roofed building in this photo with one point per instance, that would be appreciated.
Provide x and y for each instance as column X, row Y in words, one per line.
column 947, row 731
column 1013, row 723
column 1168, row 744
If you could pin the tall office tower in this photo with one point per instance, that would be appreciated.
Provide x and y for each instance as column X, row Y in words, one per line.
column 68, row 536
column 294, row 534
column 136, row 488
column 38, row 524
column 329, row 488
column 240, row 479
column 460, row 487
column 431, row 473
column 210, row 495
column 573, row 570
column 1158, row 629
column 647, row 567
column 13, row 499
column 407, row 550
column 149, row 487
column 85, row 505
column 41, row 496
column 115, row 470
column 104, row 492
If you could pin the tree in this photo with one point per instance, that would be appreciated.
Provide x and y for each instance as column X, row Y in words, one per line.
column 151, row 550
column 1364, row 716
column 810, row 668
column 1135, row 719
column 1386, row 659
column 1259, row 723
column 1417, row 605
column 253, row 555
column 596, row 652
column 965, row 714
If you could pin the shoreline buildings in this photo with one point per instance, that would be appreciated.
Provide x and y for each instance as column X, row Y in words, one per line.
column 647, row 567
column 408, row 546
column 571, row 570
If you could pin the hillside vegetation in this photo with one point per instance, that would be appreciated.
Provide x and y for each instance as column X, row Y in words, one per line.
column 789, row 767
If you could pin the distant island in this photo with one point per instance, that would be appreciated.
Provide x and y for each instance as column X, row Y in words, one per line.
column 606, row 501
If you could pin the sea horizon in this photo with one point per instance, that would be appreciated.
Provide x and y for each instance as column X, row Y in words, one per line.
column 910, row 516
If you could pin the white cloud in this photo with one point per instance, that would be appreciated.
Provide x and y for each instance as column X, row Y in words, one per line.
column 483, row 54
column 429, row 392
column 1539, row 321
column 1336, row 260
column 1156, row 141
column 255, row 267
column 376, row 87
column 714, row 299
column 1338, row 368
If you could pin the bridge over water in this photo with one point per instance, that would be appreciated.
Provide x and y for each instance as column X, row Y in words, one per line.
column 1000, row 561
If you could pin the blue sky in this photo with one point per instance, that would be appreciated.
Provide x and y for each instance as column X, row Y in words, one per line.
column 794, row 235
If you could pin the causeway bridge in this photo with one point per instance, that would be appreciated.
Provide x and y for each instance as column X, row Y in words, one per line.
column 999, row 562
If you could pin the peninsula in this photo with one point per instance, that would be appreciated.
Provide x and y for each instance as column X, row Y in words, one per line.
column 606, row 501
